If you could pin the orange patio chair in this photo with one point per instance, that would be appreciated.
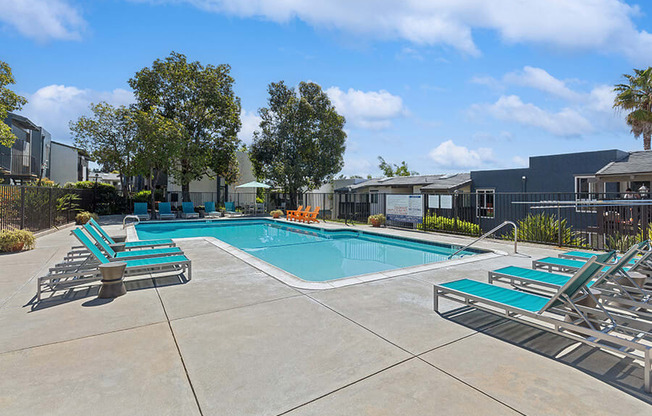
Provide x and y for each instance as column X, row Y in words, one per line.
column 300, row 214
column 293, row 212
column 311, row 216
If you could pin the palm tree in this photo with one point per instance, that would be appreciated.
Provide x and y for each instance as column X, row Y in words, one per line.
column 636, row 96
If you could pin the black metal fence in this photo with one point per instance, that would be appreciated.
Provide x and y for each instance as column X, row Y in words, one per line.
column 597, row 221
column 37, row 208
column 584, row 220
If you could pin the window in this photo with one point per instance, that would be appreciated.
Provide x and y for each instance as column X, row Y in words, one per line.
column 485, row 203
column 585, row 190
column 373, row 197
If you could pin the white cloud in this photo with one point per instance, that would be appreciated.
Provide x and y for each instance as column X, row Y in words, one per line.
column 601, row 99
column 356, row 166
column 250, row 123
column 520, row 162
column 42, row 20
column 450, row 155
column 540, row 79
column 54, row 106
column 567, row 122
column 371, row 110
column 598, row 25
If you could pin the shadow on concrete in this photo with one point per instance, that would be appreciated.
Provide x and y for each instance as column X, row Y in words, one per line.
column 622, row 373
column 111, row 219
column 78, row 293
column 97, row 302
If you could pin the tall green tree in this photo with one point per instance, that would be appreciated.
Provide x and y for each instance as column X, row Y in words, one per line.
column 158, row 142
column 109, row 137
column 200, row 100
column 636, row 97
column 9, row 101
column 392, row 169
column 301, row 141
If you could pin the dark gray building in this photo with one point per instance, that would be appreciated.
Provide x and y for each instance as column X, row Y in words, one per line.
column 28, row 158
column 567, row 173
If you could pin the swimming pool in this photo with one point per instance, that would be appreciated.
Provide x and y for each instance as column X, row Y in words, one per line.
column 312, row 254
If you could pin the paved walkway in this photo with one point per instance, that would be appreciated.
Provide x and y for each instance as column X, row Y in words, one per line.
column 235, row 341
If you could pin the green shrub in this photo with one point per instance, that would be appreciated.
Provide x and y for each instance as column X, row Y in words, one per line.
column 85, row 216
column 544, row 228
column 68, row 202
column 142, row 196
column 437, row 223
column 621, row 242
column 10, row 240
column 276, row 212
column 377, row 217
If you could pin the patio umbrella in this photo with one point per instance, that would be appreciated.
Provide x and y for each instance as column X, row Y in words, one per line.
column 254, row 184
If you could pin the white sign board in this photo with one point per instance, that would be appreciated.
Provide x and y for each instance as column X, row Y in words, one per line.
column 405, row 208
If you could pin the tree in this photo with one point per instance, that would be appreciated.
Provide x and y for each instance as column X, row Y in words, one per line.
column 301, row 140
column 200, row 101
column 158, row 141
column 636, row 97
column 109, row 137
column 392, row 169
column 9, row 101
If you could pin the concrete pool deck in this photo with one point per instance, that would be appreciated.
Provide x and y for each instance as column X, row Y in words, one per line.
column 236, row 341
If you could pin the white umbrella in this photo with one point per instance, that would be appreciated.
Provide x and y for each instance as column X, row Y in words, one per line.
column 254, row 184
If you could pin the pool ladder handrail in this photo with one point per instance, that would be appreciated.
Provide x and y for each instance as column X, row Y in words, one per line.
column 493, row 230
column 130, row 217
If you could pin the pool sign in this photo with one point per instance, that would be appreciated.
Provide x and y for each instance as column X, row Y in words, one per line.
column 405, row 208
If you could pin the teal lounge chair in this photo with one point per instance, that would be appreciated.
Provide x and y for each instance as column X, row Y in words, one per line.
column 69, row 275
column 583, row 255
column 133, row 245
column 520, row 276
column 128, row 255
column 165, row 211
column 562, row 313
column 209, row 209
column 140, row 210
column 230, row 209
column 188, row 210
column 561, row 265
column 577, row 255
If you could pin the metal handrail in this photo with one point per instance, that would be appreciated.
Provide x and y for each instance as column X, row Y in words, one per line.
column 130, row 217
column 493, row 230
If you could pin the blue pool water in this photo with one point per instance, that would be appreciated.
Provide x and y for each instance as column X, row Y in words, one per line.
column 311, row 254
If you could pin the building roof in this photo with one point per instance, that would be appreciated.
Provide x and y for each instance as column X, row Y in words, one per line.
column 446, row 182
column 80, row 151
column 432, row 182
column 635, row 162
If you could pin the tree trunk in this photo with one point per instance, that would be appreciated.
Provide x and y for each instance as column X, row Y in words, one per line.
column 185, row 187
column 151, row 190
column 185, row 192
column 646, row 141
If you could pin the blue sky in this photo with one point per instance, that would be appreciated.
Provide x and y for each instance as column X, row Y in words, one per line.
column 447, row 86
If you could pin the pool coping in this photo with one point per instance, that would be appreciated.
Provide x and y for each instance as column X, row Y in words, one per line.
column 298, row 283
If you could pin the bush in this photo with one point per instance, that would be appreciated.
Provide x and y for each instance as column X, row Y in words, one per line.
column 142, row 196
column 376, row 217
column 621, row 242
column 107, row 199
column 438, row 223
column 276, row 212
column 85, row 216
column 11, row 240
column 543, row 228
